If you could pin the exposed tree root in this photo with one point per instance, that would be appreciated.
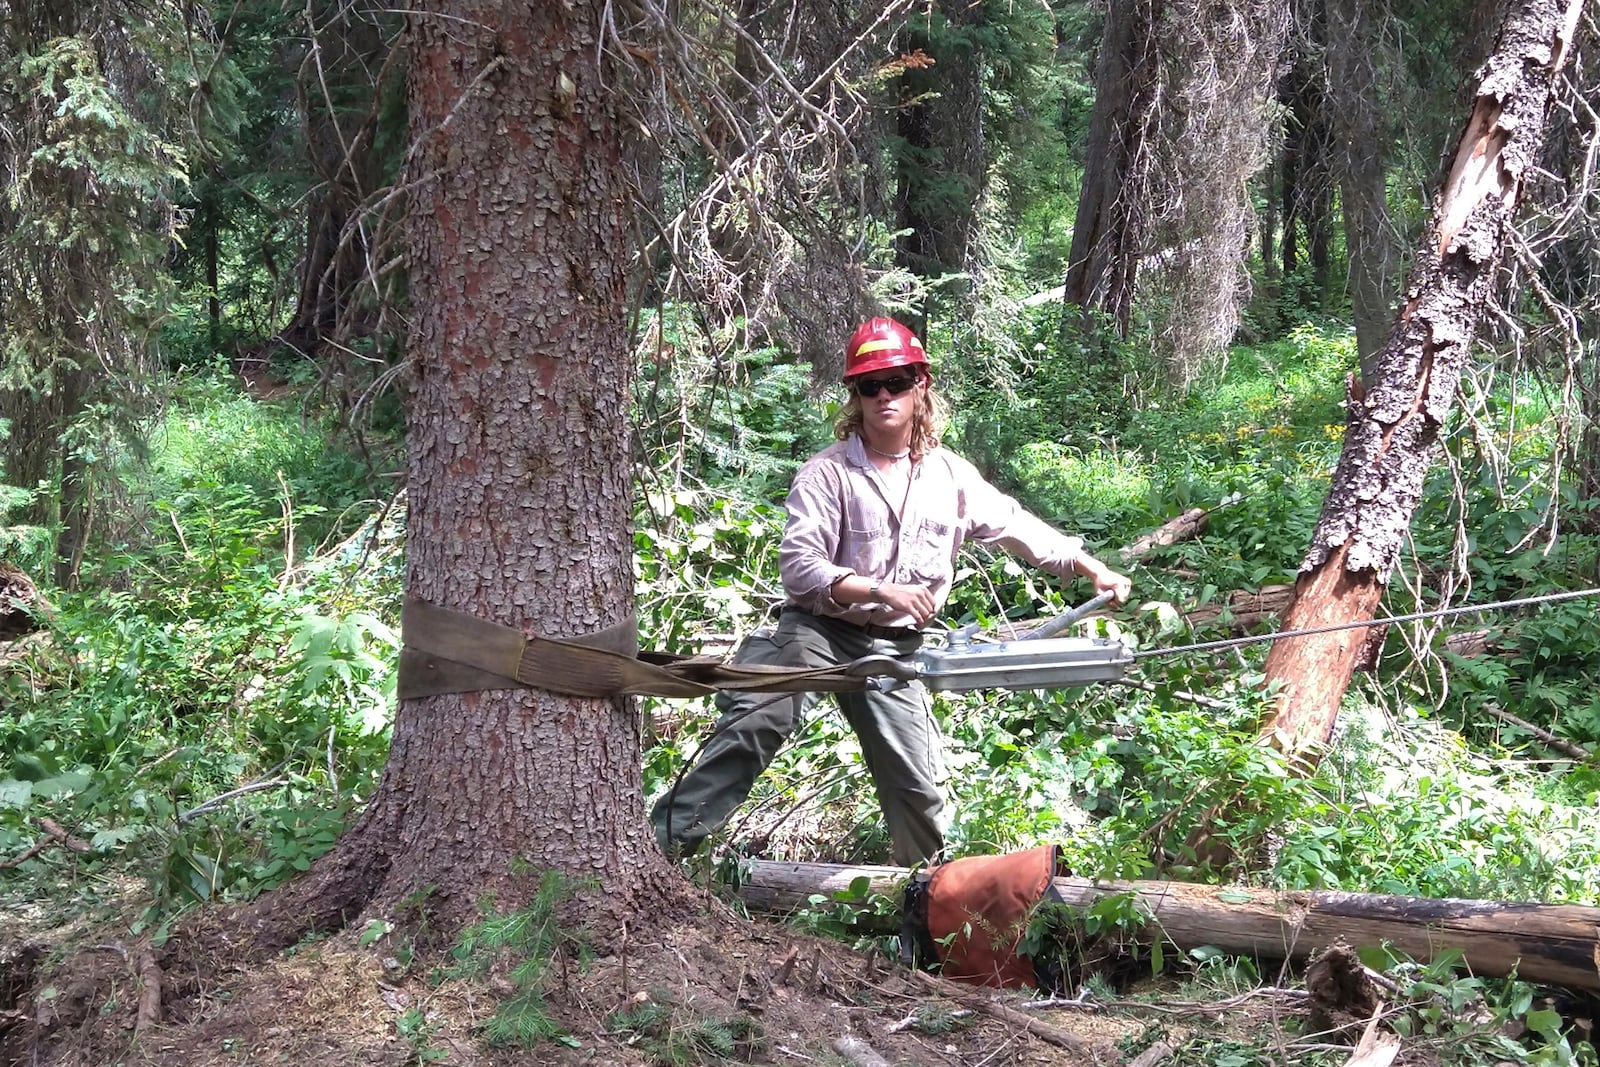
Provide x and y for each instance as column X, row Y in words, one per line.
column 149, row 1013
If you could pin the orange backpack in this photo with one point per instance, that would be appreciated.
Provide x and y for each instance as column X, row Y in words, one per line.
column 971, row 914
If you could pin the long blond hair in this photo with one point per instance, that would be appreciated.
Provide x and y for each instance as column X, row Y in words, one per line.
column 927, row 422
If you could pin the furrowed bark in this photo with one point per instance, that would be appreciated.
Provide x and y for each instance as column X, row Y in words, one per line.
column 519, row 501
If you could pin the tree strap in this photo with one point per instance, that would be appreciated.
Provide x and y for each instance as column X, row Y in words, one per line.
column 447, row 651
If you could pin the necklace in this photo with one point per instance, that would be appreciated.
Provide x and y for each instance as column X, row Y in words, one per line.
column 902, row 454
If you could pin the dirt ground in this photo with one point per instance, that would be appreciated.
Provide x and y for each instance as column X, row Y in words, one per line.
column 666, row 995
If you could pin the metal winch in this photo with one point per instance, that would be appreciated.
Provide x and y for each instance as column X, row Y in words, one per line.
column 1036, row 660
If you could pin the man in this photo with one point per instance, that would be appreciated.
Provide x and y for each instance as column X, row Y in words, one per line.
column 867, row 559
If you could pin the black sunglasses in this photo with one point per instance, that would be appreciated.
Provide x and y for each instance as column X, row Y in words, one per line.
column 869, row 387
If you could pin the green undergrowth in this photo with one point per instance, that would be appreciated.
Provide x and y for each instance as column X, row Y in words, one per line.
column 1436, row 1011
column 1420, row 792
column 524, row 945
column 669, row 1034
column 215, row 704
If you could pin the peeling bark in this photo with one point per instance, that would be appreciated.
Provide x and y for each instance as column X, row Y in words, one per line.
column 518, row 481
column 1391, row 428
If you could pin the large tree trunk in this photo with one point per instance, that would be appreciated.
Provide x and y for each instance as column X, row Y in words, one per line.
column 518, row 480
column 1555, row 943
column 1220, row 63
column 1357, row 158
column 61, row 315
column 1391, row 428
column 1108, row 234
column 943, row 167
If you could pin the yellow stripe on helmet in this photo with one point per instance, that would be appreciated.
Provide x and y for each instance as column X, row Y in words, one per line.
column 869, row 347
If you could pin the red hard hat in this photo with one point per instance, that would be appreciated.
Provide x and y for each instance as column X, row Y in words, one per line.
column 881, row 343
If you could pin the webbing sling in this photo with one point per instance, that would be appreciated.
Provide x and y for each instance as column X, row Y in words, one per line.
column 446, row 651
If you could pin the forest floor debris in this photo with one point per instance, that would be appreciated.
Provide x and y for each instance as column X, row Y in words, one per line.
column 720, row 989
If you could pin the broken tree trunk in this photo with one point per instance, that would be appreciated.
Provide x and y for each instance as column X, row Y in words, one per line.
column 1558, row 944
column 1391, row 428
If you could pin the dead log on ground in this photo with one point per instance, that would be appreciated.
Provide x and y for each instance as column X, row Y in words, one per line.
column 1152, row 1055
column 1558, row 944
column 1469, row 644
column 1191, row 523
column 1560, row 744
column 1245, row 609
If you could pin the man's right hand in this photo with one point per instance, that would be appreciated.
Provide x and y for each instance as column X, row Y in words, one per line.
column 1105, row 580
column 912, row 600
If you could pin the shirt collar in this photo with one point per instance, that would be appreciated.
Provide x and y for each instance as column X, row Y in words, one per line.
column 855, row 449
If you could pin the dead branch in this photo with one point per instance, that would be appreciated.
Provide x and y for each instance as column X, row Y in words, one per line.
column 1152, row 1055
column 54, row 835
column 1010, row 1016
column 1376, row 1049
column 1177, row 694
column 1560, row 744
column 858, row 1052
column 1190, row 524
column 773, row 232
column 149, row 1013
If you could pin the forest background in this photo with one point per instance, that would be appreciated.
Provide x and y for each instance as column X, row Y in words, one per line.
column 1147, row 247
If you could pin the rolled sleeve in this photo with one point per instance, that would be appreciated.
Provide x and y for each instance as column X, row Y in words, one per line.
column 811, row 541
column 1000, row 520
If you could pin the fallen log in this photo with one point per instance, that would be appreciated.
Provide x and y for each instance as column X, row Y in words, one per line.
column 1246, row 608
column 1558, row 944
column 1469, row 644
column 1191, row 523
column 1560, row 744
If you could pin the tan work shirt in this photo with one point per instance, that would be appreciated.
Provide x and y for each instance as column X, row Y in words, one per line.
column 842, row 522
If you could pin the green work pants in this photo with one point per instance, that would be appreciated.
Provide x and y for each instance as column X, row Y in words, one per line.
column 899, row 740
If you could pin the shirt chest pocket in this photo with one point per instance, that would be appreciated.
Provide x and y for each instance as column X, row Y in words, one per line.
column 865, row 546
column 931, row 549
